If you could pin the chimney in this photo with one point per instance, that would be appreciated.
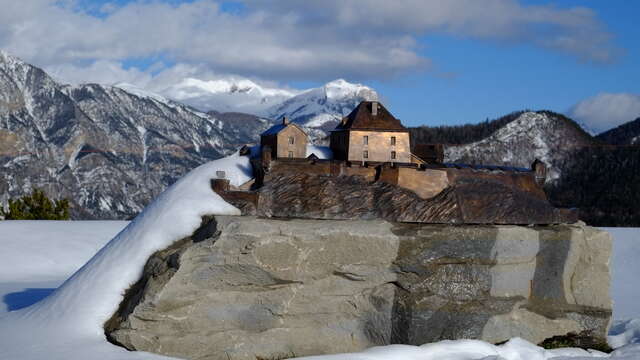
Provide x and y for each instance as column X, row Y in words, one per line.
column 285, row 121
column 374, row 108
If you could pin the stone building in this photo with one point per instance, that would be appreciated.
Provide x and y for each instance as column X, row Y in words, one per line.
column 285, row 140
column 371, row 134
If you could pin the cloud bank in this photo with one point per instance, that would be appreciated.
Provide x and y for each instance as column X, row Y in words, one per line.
column 283, row 40
column 606, row 111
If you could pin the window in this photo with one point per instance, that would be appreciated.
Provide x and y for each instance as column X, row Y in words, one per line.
column 393, row 141
column 291, row 140
column 393, row 155
column 365, row 154
column 290, row 154
column 365, row 140
column 220, row 174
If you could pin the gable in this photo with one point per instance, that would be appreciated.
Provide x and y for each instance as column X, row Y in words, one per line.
column 363, row 117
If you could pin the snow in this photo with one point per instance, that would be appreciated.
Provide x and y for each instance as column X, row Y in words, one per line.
column 321, row 119
column 322, row 152
column 67, row 324
column 514, row 349
column 624, row 271
column 334, row 99
column 69, row 321
column 624, row 332
column 227, row 94
column 141, row 93
column 50, row 250
column 237, row 168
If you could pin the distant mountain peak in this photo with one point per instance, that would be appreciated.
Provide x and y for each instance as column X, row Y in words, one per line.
column 324, row 106
column 317, row 107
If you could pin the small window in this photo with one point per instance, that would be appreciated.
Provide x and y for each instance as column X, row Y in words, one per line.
column 365, row 140
column 393, row 140
column 365, row 154
column 393, row 154
column 290, row 154
column 220, row 174
column 292, row 140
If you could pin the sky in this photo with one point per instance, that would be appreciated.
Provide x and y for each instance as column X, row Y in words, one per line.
column 433, row 62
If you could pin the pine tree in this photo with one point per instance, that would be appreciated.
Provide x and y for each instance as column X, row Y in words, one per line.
column 36, row 206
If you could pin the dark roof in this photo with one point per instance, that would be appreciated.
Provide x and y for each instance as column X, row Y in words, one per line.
column 361, row 118
column 275, row 129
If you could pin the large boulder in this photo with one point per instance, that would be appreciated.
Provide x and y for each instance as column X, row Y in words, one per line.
column 251, row 288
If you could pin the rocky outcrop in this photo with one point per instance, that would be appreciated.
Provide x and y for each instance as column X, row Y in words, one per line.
column 249, row 288
column 471, row 198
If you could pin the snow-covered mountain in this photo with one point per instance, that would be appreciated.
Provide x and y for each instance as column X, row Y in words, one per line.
column 542, row 135
column 319, row 108
column 325, row 106
column 109, row 149
column 227, row 95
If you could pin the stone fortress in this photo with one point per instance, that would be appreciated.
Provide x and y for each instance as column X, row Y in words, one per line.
column 375, row 160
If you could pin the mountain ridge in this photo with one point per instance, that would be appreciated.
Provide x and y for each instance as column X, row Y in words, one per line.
column 106, row 149
column 625, row 134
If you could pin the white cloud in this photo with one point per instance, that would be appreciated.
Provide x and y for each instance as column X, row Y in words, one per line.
column 605, row 111
column 288, row 39
column 100, row 72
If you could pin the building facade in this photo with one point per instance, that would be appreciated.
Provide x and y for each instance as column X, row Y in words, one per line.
column 286, row 140
column 371, row 134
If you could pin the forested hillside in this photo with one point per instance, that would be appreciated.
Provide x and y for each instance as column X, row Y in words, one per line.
column 625, row 134
column 602, row 180
column 604, row 183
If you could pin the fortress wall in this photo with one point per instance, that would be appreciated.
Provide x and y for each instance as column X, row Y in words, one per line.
column 524, row 181
column 425, row 183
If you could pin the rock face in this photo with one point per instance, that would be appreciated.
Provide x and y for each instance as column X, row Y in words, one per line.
column 110, row 150
column 249, row 288
column 471, row 199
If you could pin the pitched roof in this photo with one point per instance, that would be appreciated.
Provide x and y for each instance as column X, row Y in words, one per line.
column 275, row 129
column 362, row 118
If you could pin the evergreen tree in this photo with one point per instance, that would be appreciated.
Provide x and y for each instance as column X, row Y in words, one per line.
column 36, row 206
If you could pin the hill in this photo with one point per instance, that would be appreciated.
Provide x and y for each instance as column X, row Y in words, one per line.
column 625, row 134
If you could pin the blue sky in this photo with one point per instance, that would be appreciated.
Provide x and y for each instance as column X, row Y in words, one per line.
column 490, row 79
column 433, row 62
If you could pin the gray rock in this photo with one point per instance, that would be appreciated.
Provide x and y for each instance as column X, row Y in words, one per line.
column 247, row 288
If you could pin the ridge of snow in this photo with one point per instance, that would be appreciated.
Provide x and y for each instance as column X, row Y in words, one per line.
column 313, row 107
column 145, row 94
column 77, row 310
column 227, row 94
column 142, row 93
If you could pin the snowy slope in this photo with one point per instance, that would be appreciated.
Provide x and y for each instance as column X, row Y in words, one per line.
column 37, row 256
column 227, row 95
column 69, row 321
column 50, row 250
column 315, row 108
column 533, row 135
column 323, row 107
column 318, row 107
